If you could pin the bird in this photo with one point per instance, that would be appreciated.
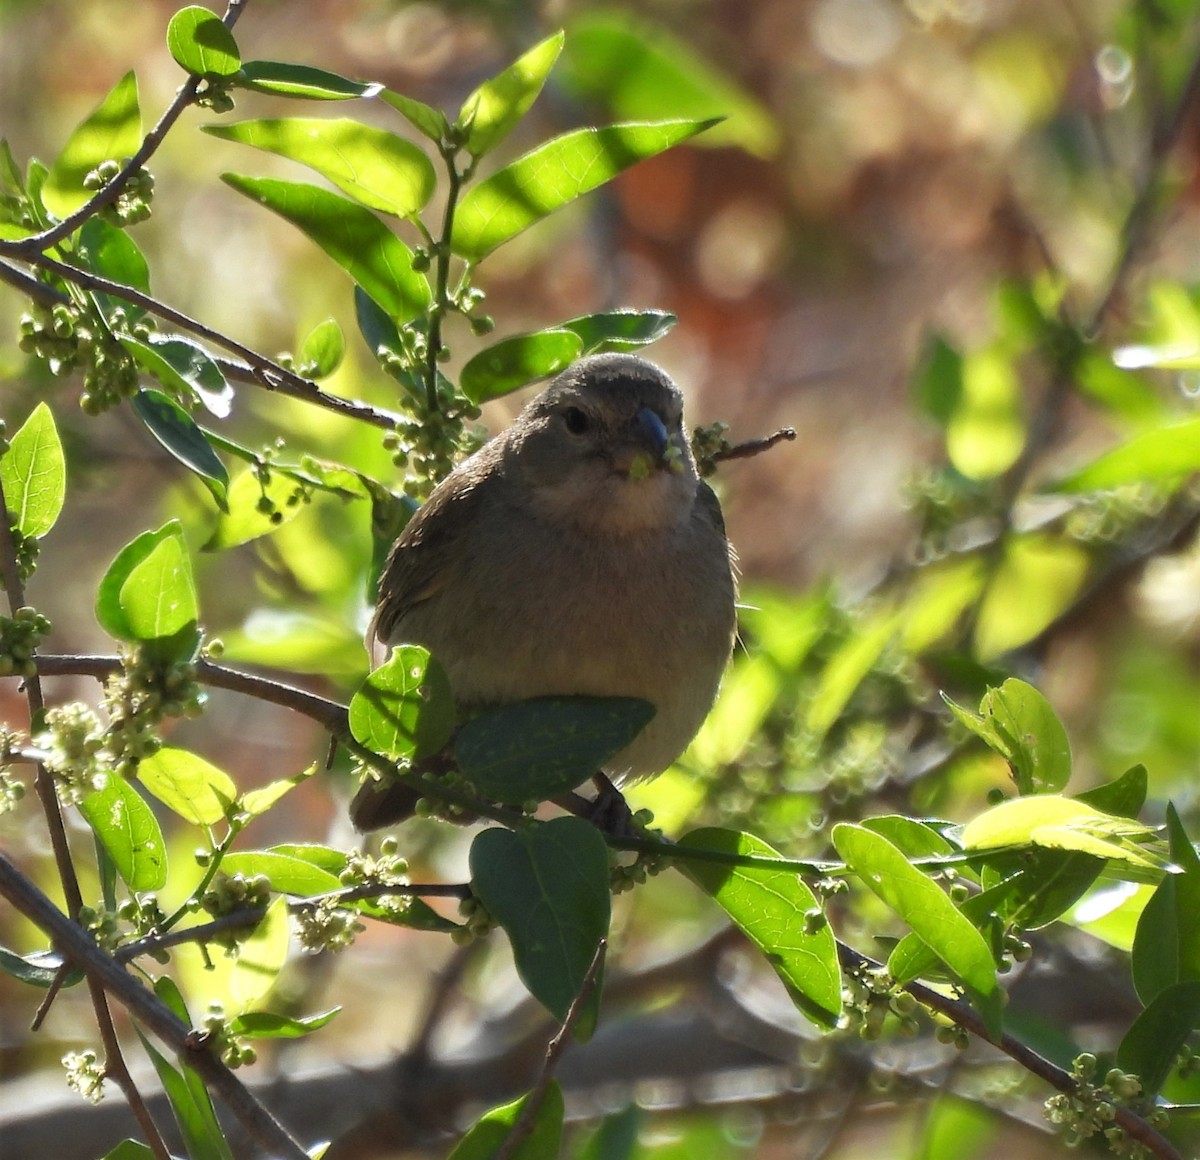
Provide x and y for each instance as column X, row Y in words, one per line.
column 576, row 553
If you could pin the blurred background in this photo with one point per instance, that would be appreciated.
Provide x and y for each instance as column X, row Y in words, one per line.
column 896, row 187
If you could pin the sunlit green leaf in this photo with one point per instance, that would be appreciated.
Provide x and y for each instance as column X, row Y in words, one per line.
column 429, row 121
column 620, row 330
column 201, row 44
column 405, row 707
column 847, row 667
column 955, row 1128
column 268, row 1025
column 514, row 362
column 553, row 174
column 986, row 433
column 111, row 132
column 190, row 1103
column 177, row 431
column 1165, row 454
column 639, row 70
column 321, row 352
column 491, row 111
column 547, row 886
column 373, row 166
column 185, row 367
column 778, row 913
column 34, row 474
column 287, row 874
column 927, row 909
column 113, row 254
column 283, row 79
column 196, row 790
column 488, row 1133
column 260, row 958
column 126, row 826
column 258, row 801
column 533, row 750
column 351, row 235
column 254, row 509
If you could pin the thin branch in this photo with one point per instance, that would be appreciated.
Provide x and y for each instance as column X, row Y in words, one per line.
column 962, row 1014
column 74, row 942
column 554, row 1049
column 36, row 243
column 753, row 447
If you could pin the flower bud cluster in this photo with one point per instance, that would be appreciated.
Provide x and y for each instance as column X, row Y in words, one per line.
column 707, row 443
column 326, row 926
column 1090, row 1108
column 19, row 637
column 477, row 922
column 132, row 204
column 870, row 997
column 73, row 738
column 234, row 1051
column 85, row 1074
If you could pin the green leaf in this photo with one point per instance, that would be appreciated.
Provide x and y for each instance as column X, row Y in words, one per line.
column 405, row 707
column 158, row 597
column 287, row 874
column 847, row 668
column 201, row 44
column 770, row 907
column 533, row 750
column 927, row 910
column 513, row 362
column 322, row 350
column 487, row 1134
column 283, row 79
column 128, row 830
column 176, row 430
column 34, row 473
column 1151, row 1046
column 1061, row 823
column 111, row 132
column 258, row 801
column 1167, row 454
column 351, row 235
column 553, row 174
column 381, row 336
column 242, row 519
column 324, row 857
column 424, row 118
column 260, row 958
column 938, row 387
column 129, row 1150
column 185, row 367
column 620, row 330
column 190, row 1103
column 268, row 1025
column 1018, row 723
column 1123, row 796
column 39, row 969
column 490, row 112
column 1166, row 947
column 373, row 166
column 639, row 70
column 197, row 791
column 955, row 1128
column 109, row 610
column 113, row 254
column 986, row 432
column 547, row 886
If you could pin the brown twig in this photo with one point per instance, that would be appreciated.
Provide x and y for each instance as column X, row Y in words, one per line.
column 753, row 447
column 525, row 1120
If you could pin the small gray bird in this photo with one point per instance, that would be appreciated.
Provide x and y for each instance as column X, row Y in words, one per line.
column 579, row 552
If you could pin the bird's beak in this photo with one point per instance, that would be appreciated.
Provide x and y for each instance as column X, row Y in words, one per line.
column 647, row 448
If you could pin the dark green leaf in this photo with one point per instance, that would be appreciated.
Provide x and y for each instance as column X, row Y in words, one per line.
column 128, row 830
column 620, row 330
column 1151, row 1046
column 639, row 70
column 1045, row 883
column 111, row 132
column 547, row 886
column 415, row 914
column 491, row 111
column 404, row 708
column 351, row 235
column 928, row 911
column 772, row 907
column 616, row 1138
column 553, row 174
column 198, row 792
column 321, row 351
column 938, row 388
column 487, row 1134
column 38, row 969
column 34, row 473
column 201, row 44
column 533, row 750
column 267, row 1025
column 1123, row 796
column 512, row 363
column 430, row 122
column 282, row 79
column 1166, row 947
column 380, row 334
column 1168, row 454
column 373, row 166
column 184, row 366
column 176, row 430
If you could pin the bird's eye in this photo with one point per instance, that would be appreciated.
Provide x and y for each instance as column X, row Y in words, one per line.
column 576, row 420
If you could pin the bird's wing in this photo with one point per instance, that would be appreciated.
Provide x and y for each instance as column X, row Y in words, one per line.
column 421, row 561
column 709, row 506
